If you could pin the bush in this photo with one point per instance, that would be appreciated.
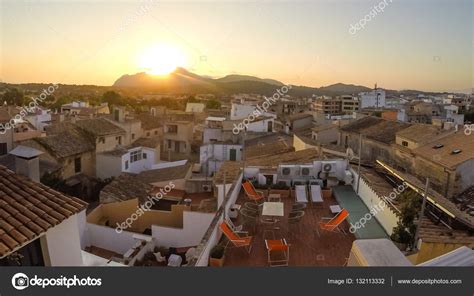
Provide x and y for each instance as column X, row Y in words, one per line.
column 409, row 204
column 217, row 252
column 280, row 186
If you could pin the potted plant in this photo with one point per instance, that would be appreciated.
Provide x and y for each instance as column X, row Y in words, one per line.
column 217, row 255
column 280, row 188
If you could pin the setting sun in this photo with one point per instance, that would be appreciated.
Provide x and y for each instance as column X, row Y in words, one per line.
column 161, row 60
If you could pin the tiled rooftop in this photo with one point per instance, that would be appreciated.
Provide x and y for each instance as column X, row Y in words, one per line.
column 376, row 128
column 444, row 155
column 63, row 140
column 99, row 127
column 28, row 209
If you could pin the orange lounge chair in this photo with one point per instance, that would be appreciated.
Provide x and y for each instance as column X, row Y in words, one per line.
column 334, row 222
column 251, row 192
column 278, row 252
column 235, row 239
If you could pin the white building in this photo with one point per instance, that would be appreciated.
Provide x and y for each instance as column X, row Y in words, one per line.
column 126, row 160
column 211, row 156
column 40, row 119
column 244, row 109
column 195, row 107
column 372, row 99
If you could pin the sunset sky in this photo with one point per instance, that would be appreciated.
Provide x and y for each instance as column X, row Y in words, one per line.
column 413, row 44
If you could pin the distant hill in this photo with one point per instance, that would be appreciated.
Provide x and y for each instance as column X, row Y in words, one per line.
column 345, row 88
column 182, row 81
column 238, row 78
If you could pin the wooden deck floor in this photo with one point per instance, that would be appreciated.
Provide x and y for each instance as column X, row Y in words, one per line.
column 310, row 246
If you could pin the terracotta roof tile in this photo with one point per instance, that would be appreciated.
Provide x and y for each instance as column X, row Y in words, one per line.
column 28, row 209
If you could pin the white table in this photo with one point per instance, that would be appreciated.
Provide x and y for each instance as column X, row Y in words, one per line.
column 274, row 209
column 335, row 209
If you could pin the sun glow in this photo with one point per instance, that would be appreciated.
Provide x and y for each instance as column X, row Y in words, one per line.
column 161, row 60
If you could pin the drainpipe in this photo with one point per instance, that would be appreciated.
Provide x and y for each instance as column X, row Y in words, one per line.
column 447, row 183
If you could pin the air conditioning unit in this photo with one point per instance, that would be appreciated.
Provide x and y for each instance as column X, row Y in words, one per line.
column 307, row 171
column 328, row 166
column 207, row 188
column 288, row 171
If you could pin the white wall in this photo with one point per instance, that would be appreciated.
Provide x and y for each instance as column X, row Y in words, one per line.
column 212, row 134
column 82, row 225
column 195, row 225
column 39, row 121
column 142, row 164
column 240, row 111
column 203, row 259
column 387, row 217
column 108, row 166
column 211, row 156
column 261, row 126
column 107, row 238
column 369, row 99
column 63, row 243
column 169, row 164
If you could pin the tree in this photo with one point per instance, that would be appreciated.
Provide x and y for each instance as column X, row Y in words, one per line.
column 409, row 204
column 13, row 96
column 192, row 99
column 59, row 102
column 213, row 104
column 112, row 98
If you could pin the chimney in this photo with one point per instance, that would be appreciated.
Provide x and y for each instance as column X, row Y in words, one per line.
column 27, row 162
column 119, row 114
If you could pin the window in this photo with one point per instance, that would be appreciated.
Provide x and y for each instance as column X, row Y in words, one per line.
column 102, row 140
column 126, row 164
column 156, row 132
column 133, row 136
column 405, row 143
column 147, row 134
column 173, row 129
column 119, row 140
column 135, row 156
column 77, row 165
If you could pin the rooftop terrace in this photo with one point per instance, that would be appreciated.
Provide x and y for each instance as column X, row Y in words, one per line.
column 309, row 245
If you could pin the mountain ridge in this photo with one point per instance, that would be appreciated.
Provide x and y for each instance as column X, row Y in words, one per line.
column 184, row 81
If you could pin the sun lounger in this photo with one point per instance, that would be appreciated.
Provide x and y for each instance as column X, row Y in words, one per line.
column 316, row 195
column 301, row 193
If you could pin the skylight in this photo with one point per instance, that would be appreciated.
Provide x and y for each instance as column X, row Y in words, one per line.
column 456, row 151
